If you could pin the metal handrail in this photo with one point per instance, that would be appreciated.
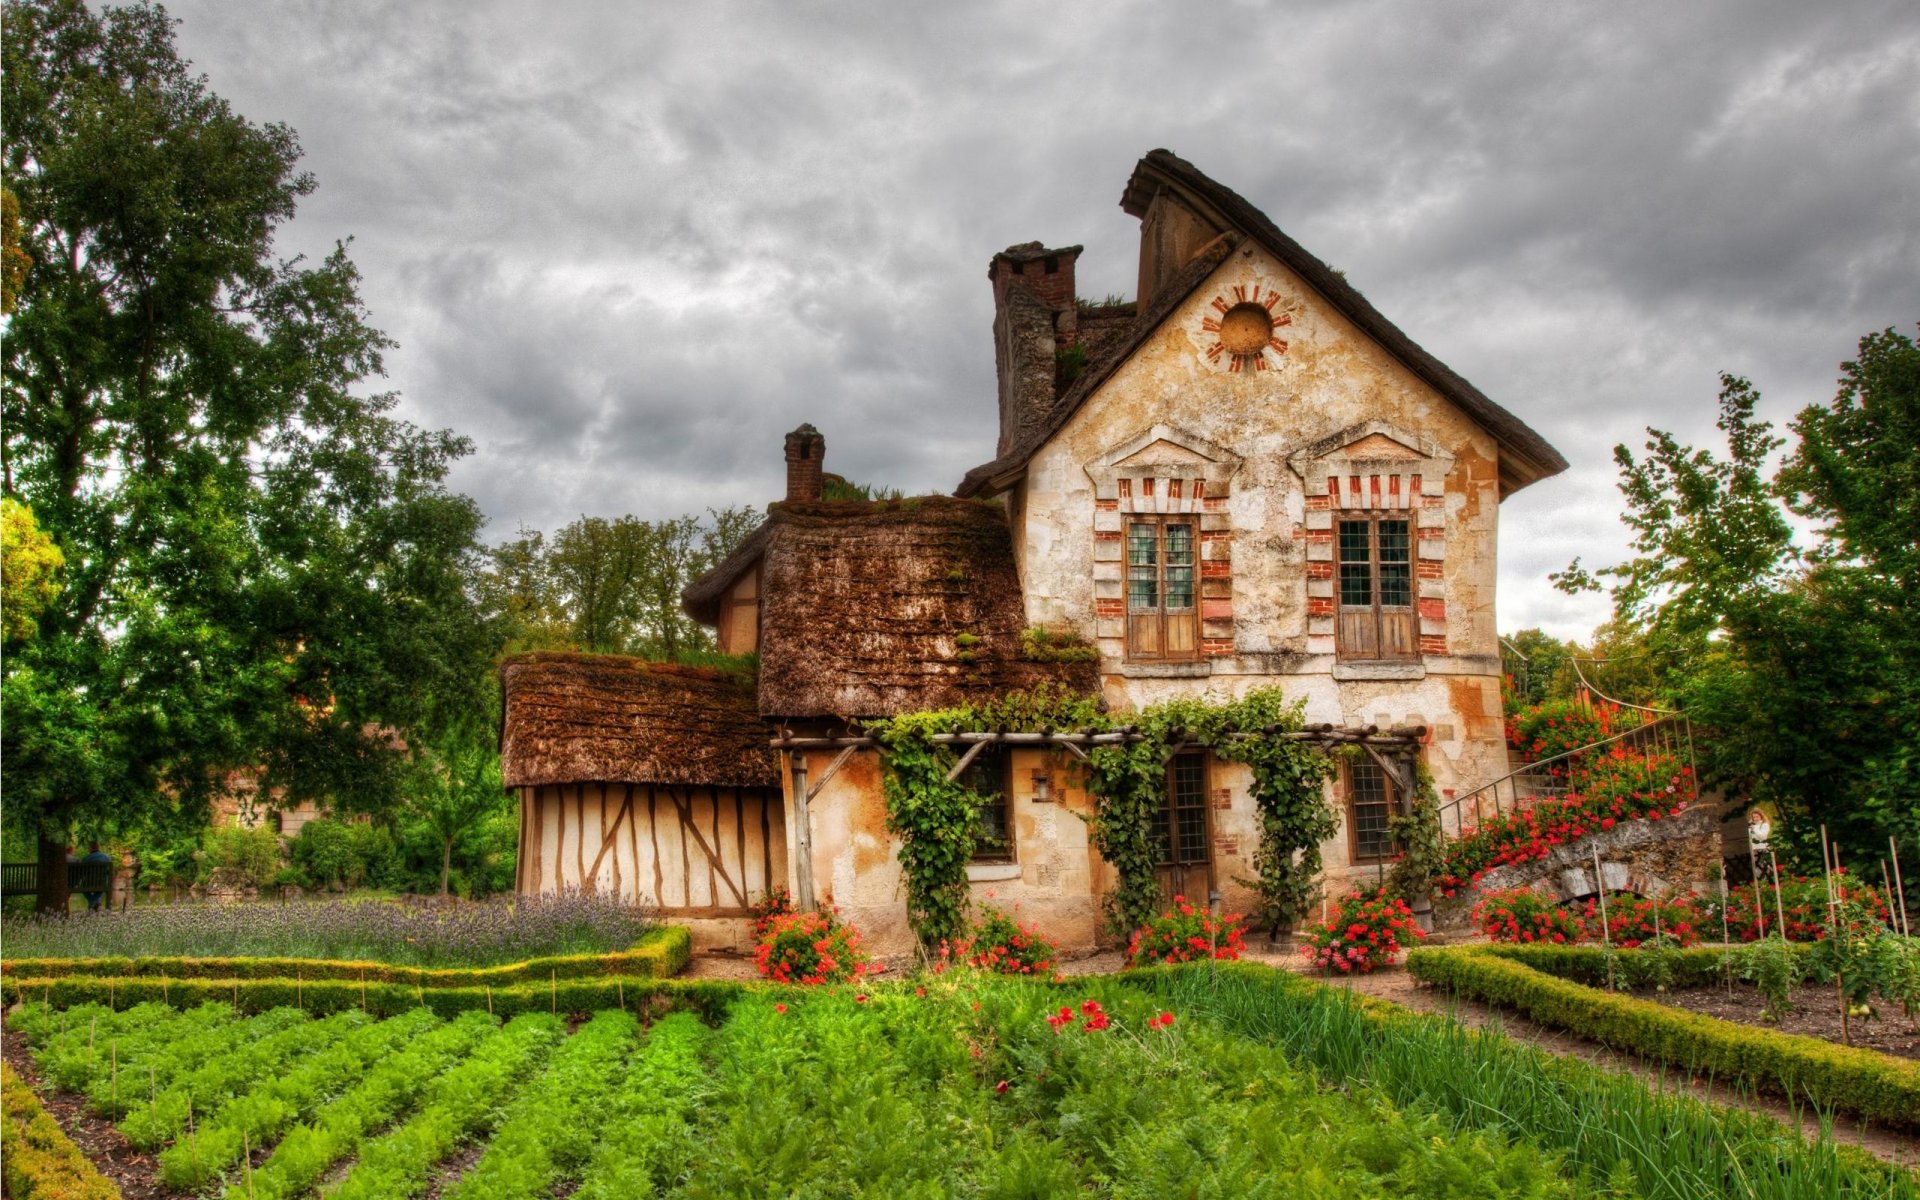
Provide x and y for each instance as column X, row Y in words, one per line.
column 1589, row 685
column 1664, row 722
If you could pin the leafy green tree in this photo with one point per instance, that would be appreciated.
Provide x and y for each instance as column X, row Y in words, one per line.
column 264, row 568
column 29, row 571
column 612, row 585
column 458, row 786
column 1798, row 659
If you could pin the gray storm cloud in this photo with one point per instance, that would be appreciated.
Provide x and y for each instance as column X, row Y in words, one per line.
column 625, row 247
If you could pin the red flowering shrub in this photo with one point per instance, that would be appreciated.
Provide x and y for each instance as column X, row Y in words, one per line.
column 1361, row 933
column 1541, row 731
column 809, row 948
column 1524, row 915
column 1804, row 903
column 1621, row 785
column 1183, row 933
column 774, row 902
column 1631, row 919
column 998, row 943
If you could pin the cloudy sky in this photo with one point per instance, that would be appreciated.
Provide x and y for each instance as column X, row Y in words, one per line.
column 626, row 246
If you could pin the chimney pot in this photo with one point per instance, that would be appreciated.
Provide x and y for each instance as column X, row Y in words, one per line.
column 806, row 453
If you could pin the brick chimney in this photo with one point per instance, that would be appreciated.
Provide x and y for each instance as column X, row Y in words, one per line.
column 1035, row 316
column 806, row 451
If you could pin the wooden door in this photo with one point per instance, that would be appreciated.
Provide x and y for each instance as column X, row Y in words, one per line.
column 1184, row 831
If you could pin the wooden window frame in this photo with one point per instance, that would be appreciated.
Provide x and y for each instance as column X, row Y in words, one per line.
column 1390, row 801
column 1000, row 757
column 1378, row 615
column 1162, row 618
column 1169, row 850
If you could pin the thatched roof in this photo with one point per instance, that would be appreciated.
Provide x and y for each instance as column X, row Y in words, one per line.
column 1525, row 456
column 883, row 607
column 602, row 718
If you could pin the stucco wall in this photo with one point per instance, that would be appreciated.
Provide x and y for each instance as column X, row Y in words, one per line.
column 1329, row 378
column 1056, row 880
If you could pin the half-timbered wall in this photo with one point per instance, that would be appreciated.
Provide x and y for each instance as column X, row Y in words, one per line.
column 687, row 851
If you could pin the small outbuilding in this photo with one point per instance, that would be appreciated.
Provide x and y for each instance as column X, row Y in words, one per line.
column 646, row 781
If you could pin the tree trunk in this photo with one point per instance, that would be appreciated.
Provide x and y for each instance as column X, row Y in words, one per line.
column 53, row 895
column 446, row 863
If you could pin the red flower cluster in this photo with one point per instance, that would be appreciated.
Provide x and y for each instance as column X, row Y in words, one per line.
column 1361, row 933
column 1803, row 901
column 809, row 948
column 1184, row 933
column 1002, row 945
column 774, row 902
column 1551, row 729
column 1096, row 1018
column 1622, row 785
column 1631, row 919
column 1524, row 915
column 1163, row 1021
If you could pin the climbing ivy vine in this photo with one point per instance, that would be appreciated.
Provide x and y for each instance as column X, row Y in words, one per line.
column 1423, row 847
column 936, row 819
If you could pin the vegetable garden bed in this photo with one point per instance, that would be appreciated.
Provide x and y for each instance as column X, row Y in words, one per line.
column 1259, row 1084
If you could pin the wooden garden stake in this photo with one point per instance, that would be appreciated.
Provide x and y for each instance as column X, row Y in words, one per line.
column 299, row 983
column 111, row 1006
column 153, row 1089
column 620, row 986
column 1779, row 905
column 1726, row 937
column 113, row 1069
column 246, row 1156
column 363, row 989
column 1606, row 935
column 489, row 999
column 1827, row 860
column 93, row 1023
column 1899, row 888
column 553, row 988
column 1886, row 882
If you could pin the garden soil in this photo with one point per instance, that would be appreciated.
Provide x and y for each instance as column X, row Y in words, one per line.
column 133, row 1172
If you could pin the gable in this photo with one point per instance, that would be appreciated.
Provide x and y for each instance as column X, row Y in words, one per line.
column 1179, row 206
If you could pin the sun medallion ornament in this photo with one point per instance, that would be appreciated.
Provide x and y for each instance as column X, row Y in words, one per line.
column 1241, row 332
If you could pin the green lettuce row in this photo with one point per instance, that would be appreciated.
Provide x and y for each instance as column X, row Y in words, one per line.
column 660, row 953
column 643, row 995
column 337, row 1129
column 113, row 1094
column 259, row 1117
column 242, row 1061
column 1843, row 1078
column 647, row 1132
column 552, row 1126
column 463, row 1103
column 95, row 1038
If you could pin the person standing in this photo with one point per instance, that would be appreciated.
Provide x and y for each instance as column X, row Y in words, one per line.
column 103, row 862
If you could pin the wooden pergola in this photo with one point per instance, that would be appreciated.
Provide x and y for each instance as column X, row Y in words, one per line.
column 1395, row 750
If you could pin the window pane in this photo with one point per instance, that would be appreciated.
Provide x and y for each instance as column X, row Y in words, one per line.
column 1179, row 583
column 1143, row 571
column 1189, row 800
column 1368, row 807
column 1396, row 566
column 1141, row 547
column 986, row 777
column 1356, row 568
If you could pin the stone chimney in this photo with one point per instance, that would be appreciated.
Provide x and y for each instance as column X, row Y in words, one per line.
column 1035, row 315
column 806, row 451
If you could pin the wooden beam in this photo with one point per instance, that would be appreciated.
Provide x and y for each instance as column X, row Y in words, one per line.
column 833, row 768
column 607, row 842
column 685, row 808
column 966, row 759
